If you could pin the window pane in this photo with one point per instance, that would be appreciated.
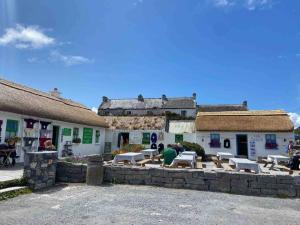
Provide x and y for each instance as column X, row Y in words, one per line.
column 146, row 139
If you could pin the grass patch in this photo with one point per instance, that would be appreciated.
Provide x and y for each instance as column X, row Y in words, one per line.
column 13, row 183
column 14, row 193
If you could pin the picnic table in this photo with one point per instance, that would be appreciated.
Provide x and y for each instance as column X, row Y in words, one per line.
column 6, row 154
column 190, row 159
column 244, row 164
column 193, row 153
column 130, row 156
column 275, row 160
column 224, row 155
column 150, row 152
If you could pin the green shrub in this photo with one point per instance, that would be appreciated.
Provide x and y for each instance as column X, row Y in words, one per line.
column 194, row 147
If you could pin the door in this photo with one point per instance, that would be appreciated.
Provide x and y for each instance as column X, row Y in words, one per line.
column 242, row 145
column 55, row 136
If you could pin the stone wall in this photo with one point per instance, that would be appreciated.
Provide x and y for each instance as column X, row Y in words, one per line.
column 230, row 182
column 71, row 172
column 40, row 169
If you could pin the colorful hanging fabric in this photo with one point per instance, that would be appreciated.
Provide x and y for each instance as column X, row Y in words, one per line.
column 44, row 125
column 1, row 121
column 154, row 138
column 29, row 141
column 42, row 142
column 30, row 122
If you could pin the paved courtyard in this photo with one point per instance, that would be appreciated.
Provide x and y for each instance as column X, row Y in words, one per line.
column 11, row 173
column 123, row 204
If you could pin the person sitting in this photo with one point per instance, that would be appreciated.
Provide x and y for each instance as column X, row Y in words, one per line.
column 153, row 146
column 161, row 147
column 169, row 155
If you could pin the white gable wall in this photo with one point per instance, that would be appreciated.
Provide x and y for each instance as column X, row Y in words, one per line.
column 203, row 138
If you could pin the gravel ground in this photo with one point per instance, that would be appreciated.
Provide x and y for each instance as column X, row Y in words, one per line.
column 127, row 204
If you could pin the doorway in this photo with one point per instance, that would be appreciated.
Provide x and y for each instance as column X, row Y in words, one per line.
column 242, row 145
column 123, row 139
column 55, row 136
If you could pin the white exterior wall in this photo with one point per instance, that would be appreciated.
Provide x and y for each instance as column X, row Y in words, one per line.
column 203, row 138
column 78, row 149
column 136, row 136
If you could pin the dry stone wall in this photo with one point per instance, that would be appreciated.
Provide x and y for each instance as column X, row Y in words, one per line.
column 230, row 182
column 40, row 169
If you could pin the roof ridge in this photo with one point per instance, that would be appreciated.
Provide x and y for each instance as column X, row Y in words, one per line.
column 40, row 93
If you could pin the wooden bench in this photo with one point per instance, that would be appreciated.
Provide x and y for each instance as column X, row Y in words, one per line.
column 216, row 161
column 158, row 157
column 227, row 167
column 143, row 162
column 199, row 165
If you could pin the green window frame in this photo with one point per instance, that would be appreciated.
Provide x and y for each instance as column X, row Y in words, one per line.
column 87, row 137
column 146, row 139
column 97, row 136
column 67, row 132
column 12, row 128
column 178, row 138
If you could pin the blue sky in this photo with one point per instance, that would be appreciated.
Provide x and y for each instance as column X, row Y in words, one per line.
column 226, row 51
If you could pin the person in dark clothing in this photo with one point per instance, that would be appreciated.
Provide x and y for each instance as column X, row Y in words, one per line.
column 295, row 162
column 161, row 147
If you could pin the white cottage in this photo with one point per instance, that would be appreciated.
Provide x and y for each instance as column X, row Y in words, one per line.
column 245, row 133
column 37, row 117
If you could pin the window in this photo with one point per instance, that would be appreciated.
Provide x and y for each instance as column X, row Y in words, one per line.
column 76, row 138
column 149, row 113
column 97, row 137
column 215, row 141
column 271, row 141
column 87, row 137
column 178, row 138
column 12, row 127
column 183, row 113
column 67, row 132
column 128, row 113
column 146, row 139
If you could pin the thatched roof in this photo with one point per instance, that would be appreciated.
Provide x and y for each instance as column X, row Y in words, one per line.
column 23, row 100
column 135, row 122
column 244, row 121
column 222, row 108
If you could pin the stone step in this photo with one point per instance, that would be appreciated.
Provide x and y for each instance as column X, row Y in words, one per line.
column 10, row 189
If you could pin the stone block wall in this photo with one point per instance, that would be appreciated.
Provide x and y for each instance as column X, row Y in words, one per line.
column 229, row 182
column 40, row 169
column 71, row 172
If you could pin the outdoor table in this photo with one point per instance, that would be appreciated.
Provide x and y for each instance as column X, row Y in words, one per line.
column 190, row 153
column 244, row 164
column 150, row 152
column 184, row 158
column 130, row 156
column 277, row 158
column 6, row 154
column 224, row 155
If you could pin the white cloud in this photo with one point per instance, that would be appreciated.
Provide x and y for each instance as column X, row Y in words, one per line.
column 248, row 4
column 68, row 60
column 26, row 37
column 94, row 109
column 295, row 117
column 32, row 60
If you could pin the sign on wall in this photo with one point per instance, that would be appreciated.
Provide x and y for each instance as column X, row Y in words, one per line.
column 252, row 148
column 87, row 136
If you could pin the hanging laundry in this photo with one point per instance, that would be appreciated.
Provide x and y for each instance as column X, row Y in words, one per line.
column 30, row 122
column 45, row 134
column 44, row 125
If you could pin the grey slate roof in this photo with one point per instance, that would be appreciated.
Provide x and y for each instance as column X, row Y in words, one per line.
column 221, row 108
column 149, row 103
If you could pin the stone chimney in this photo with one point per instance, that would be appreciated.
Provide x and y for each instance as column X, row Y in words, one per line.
column 104, row 99
column 245, row 103
column 140, row 98
column 194, row 96
column 55, row 93
column 164, row 98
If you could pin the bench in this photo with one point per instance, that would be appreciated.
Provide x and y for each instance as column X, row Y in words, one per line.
column 158, row 157
column 199, row 165
column 143, row 162
column 227, row 167
column 216, row 161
